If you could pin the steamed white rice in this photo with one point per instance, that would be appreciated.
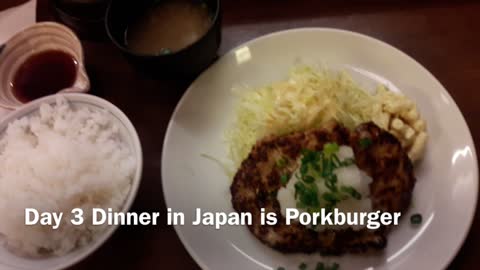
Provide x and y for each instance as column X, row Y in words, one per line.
column 55, row 161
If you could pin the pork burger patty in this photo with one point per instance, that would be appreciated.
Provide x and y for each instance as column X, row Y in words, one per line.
column 257, row 181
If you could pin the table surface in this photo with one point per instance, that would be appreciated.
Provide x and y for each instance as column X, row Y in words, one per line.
column 442, row 36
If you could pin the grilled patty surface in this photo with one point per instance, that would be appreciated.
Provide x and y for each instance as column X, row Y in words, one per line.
column 258, row 179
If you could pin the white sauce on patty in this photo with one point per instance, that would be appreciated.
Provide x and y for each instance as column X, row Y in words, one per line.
column 347, row 176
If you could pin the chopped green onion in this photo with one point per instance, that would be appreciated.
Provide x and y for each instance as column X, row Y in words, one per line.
column 336, row 161
column 347, row 162
column 309, row 198
column 312, row 210
column 284, row 179
column 281, row 163
column 330, row 149
column 327, row 167
column 316, row 166
column 304, row 168
column 331, row 181
column 321, row 166
column 302, row 266
column 309, row 156
column 299, row 188
column 416, row 219
column 308, row 179
column 331, row 197
column 320, row 266
column 335, row 266
column 365, row 143
column 307, row 194
column 352, row 192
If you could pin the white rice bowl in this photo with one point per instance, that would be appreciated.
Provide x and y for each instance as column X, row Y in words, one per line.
column 59, row 159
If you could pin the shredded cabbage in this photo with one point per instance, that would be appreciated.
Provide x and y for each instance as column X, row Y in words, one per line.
column 307, row 99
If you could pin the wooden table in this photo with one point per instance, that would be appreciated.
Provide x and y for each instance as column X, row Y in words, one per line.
column 442, row 36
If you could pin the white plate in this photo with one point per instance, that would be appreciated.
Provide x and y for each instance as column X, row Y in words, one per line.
column 445, row 193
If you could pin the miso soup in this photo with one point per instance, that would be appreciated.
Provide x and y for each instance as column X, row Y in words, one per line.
column 169, row 27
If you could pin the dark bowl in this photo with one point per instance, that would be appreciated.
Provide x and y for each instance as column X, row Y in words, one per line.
column 187, row 62
column 87, row 20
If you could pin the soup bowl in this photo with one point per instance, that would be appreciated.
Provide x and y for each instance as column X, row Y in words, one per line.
column 189, row 61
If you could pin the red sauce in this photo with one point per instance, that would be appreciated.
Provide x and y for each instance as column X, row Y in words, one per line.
column 44, row 74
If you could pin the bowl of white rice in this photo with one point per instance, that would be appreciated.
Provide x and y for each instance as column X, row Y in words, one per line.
column 59, row 153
